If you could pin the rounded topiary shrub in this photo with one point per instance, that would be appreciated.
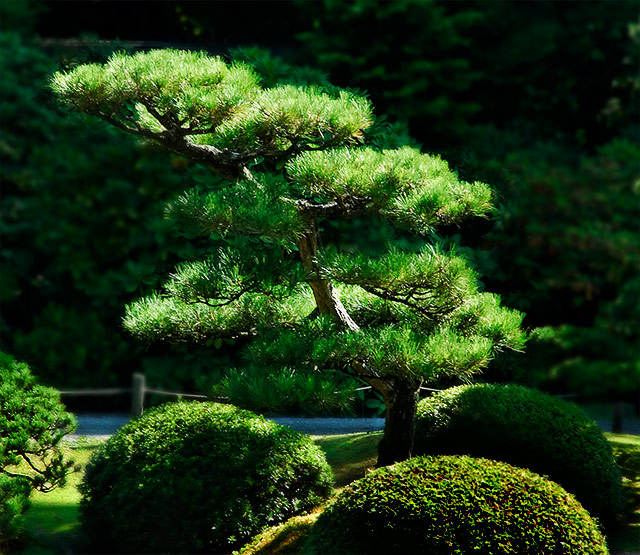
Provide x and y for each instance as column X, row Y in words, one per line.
column 198, row 477
column 455, row 505
column 525, row 428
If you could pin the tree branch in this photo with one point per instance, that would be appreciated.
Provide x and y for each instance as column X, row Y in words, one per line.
column 386, row 295
column 26, row 458
column 348, row 209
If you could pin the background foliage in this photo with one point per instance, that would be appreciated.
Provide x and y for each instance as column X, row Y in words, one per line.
column 552, row 128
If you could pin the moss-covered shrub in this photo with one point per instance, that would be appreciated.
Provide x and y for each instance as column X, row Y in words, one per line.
column 525, row 428
column 198, row 477
column 455, row 505
column 287, row 538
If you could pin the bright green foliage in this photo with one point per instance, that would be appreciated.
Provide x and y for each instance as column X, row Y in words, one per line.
column 261, row 211
column 173, row 81
column 558, row 123
column 198, row 478
column 288, row 391
column 414, row 189
column 455, row 506
column 14, row 501
column 395, row 350
column 183, row 94
column 525, row 428
column 157, row 317
column 403, row 185
column 32, row 423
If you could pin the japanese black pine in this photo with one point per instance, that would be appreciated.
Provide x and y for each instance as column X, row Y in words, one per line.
column 290, row 163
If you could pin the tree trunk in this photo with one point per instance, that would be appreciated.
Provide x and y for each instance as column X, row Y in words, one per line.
column 400, row 426
column 618, row 411
column 400, row 396
column 326, row 298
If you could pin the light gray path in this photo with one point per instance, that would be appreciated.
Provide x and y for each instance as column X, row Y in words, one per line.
column 104, row 425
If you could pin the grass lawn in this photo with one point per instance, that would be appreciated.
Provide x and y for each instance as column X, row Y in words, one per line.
column 626, row 539
column 52, row 521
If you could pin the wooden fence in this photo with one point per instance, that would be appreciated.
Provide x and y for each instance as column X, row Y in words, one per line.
column 138, row 392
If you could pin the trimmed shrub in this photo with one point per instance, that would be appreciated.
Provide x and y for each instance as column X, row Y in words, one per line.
column 198, row 477
column 32, row 423
column 455, row 505
column 525, row 428
column 14, row 501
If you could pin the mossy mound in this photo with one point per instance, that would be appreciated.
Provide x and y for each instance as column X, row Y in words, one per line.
column 455, row 505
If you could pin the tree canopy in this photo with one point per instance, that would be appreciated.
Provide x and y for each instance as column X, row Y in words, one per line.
column 290, row 159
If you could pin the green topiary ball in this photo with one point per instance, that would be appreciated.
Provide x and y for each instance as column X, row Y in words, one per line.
column 454, row 505
column 198, row 477
column 525, row 428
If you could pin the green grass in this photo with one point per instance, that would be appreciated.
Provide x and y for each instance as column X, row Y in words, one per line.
column 350, row 455
column 52, row 521
column 626, row 539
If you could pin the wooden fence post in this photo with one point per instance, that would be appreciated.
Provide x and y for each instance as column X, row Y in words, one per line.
column 618, row 411
column 137, row 394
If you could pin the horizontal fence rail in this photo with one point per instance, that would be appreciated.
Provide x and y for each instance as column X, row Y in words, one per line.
column 139, row 390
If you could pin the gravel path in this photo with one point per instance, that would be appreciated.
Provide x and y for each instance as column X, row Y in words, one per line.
column 97, row 425
column 104, row 425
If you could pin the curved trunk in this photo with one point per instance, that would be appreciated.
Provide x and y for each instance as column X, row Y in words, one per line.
column 326, row 298
column 400, row 425
column 400, row 396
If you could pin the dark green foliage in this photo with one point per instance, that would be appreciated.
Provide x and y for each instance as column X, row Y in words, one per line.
column 289, row 391
column 577, row 275
column 596, row 362
column 78, row 221
column 445, row 66
column 578, row 218
column 455, row 505
column 525, row 428
column 198, row 477
column 14, row 501
column 416, row 69
column 32, row 423
column 580, row 80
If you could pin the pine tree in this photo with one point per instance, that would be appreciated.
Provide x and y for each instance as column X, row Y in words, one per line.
column 293, row 164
